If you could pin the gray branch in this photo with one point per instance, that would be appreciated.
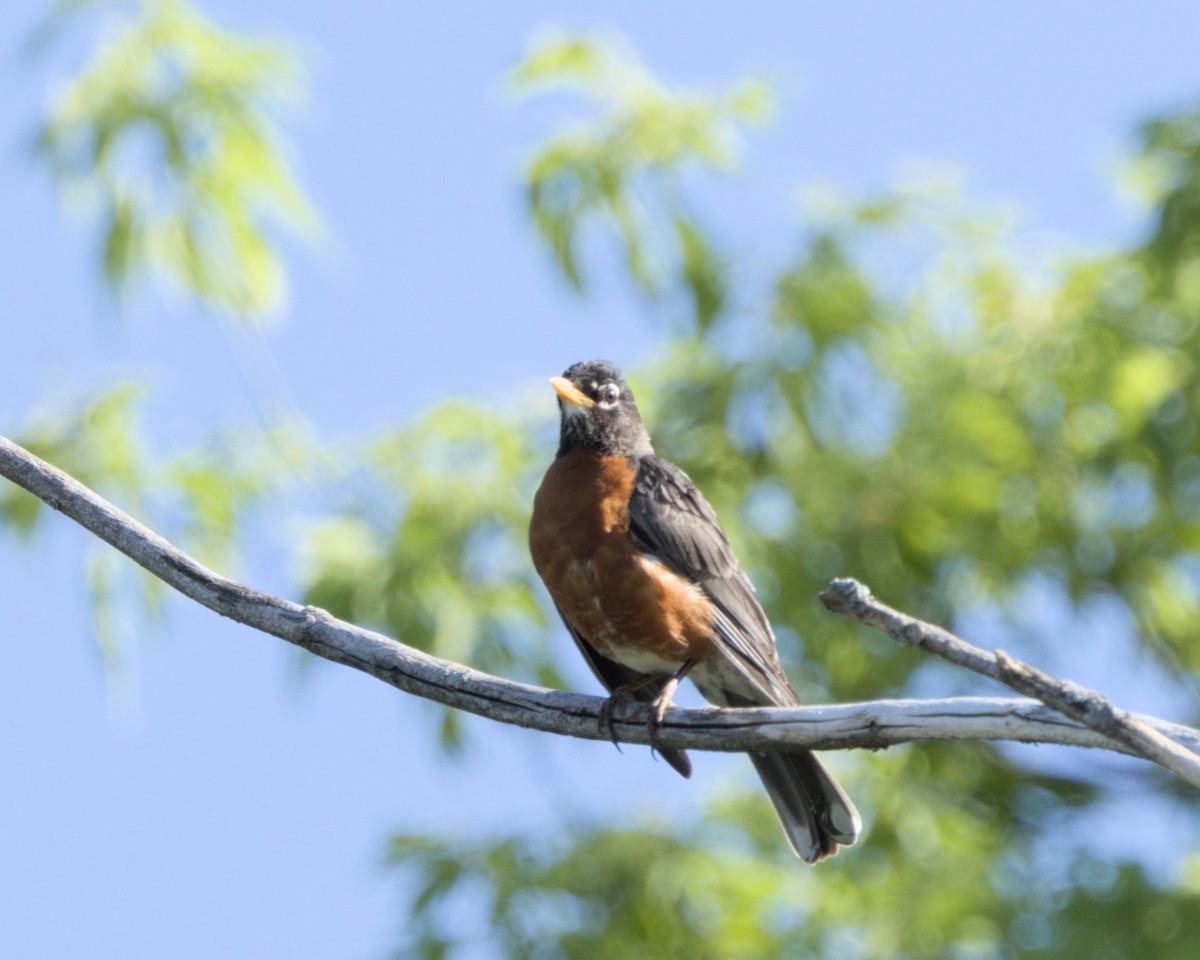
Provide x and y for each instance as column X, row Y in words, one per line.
column 1077, row 703
column 871, row 725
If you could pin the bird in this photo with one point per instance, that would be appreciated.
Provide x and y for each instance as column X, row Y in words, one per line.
column 646, row 582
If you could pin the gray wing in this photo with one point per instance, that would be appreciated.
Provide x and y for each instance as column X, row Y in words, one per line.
column 671, row 521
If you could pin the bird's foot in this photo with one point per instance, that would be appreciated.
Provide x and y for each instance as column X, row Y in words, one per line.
column 662, row 700
column 619, row 697
column 657, row 708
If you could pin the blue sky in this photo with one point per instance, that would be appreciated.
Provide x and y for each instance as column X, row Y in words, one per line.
column 239, row 811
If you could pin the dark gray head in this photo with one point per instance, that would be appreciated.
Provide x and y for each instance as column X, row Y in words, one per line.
column 598, row 412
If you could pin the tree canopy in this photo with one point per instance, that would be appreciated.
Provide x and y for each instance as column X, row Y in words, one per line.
column 1001, row 442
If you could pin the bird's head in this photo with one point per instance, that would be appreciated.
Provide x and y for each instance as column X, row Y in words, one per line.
column 598, row 412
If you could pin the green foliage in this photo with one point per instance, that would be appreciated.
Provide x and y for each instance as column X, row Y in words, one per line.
column 623, row 170
column 906, row 401
column 166, row 133
column 198, row 497
column 957, row 440
column 945, row 875
column 1169, row 170
column 445, row 565
column 99, row 441
column 1141, row 917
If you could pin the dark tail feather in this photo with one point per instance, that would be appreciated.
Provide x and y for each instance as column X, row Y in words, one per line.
column 677, row 759
column 816, row 814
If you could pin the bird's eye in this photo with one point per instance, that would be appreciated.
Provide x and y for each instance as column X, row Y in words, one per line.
column 610, row 393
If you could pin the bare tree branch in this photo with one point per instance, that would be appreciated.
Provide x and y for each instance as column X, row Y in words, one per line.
column 1085, row 706
column 872, row 725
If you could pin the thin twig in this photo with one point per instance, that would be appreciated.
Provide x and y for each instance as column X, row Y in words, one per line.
column 1084, row 706
column 872, row 725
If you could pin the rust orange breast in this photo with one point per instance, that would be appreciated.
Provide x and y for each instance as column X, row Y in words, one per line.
column 628, row 606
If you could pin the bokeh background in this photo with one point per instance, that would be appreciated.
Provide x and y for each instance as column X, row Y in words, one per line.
column 911, row 290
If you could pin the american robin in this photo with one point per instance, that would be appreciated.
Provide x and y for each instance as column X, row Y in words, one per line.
column 647, row 584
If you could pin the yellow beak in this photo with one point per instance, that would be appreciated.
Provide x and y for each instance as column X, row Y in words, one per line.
column 571, row 393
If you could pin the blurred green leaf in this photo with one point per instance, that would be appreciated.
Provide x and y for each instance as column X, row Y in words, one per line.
column 200, row 497
column 167, row 134
column 975, row 437
column 445, row 567
column 623, row 168
column 901, row 397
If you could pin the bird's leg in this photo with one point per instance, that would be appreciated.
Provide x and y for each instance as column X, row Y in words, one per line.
column 662, row 700
column 622, row 694
column 657, row 707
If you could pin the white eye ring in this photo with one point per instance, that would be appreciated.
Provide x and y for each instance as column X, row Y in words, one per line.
column 610, row 394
